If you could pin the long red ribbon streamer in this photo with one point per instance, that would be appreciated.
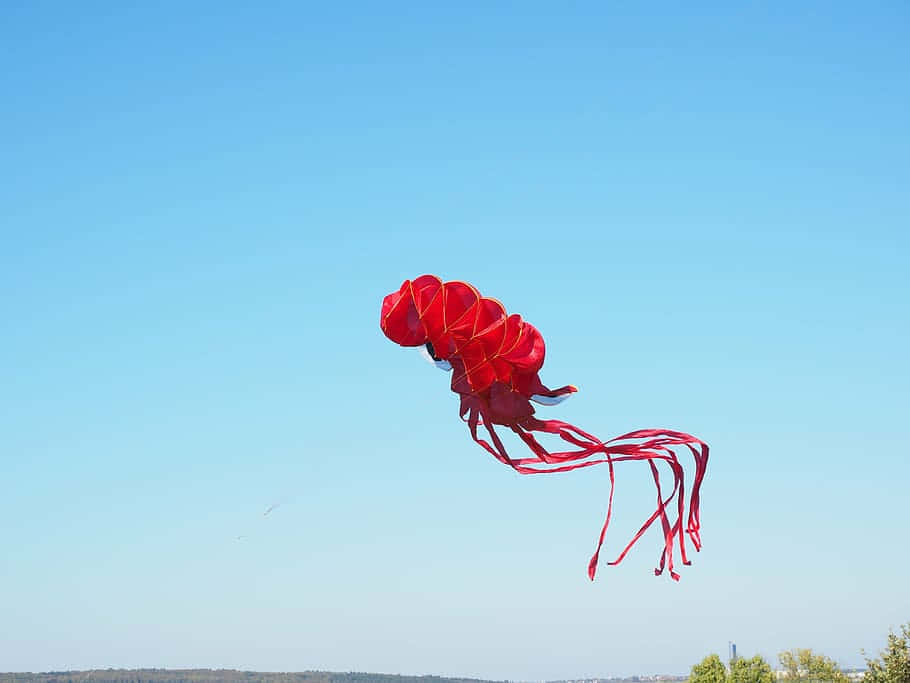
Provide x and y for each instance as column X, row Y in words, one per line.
column 651, row 445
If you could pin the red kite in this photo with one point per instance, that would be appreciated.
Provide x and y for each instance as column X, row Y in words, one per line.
column 495, row 359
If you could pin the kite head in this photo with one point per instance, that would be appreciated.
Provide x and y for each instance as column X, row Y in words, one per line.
column 459, row 326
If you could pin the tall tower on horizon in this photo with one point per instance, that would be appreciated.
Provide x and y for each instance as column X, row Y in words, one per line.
column 732, row 647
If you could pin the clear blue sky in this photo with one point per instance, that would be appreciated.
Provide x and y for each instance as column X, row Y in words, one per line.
column 704, row 209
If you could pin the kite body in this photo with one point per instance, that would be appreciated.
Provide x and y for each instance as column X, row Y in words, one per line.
column 495, row 359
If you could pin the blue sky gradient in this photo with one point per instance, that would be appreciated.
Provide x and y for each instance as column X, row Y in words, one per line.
column 704, row 209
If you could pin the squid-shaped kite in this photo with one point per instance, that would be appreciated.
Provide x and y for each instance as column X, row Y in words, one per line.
column 495, row 359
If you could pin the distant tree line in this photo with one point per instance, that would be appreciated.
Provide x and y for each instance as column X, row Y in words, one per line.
column 213, row 675
column 891, row 666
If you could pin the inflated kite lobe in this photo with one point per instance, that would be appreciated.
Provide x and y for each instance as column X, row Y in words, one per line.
column 495, row 359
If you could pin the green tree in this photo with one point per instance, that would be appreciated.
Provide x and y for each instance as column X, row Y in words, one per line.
column 804, row 665
column 709, row 670
column 755, row 670
column 894, row 665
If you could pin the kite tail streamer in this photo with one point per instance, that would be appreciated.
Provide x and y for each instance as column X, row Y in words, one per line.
column 659, row 445
column 649, row 445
